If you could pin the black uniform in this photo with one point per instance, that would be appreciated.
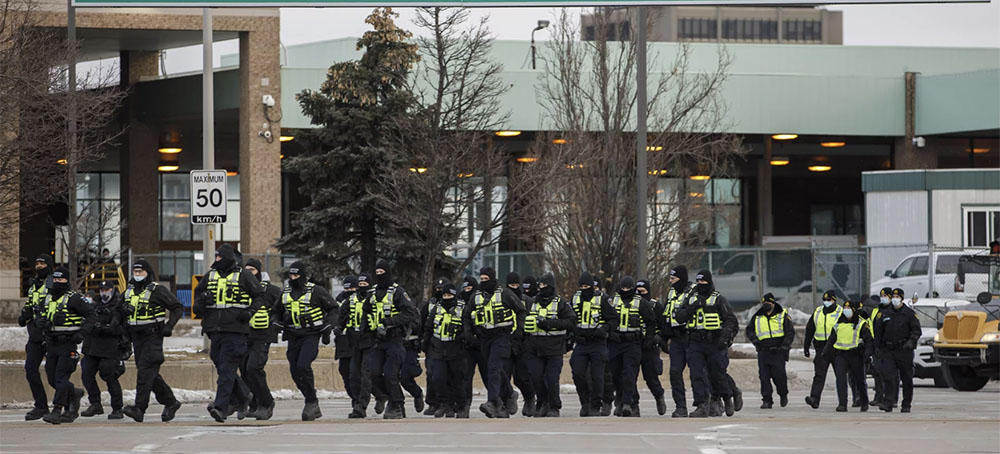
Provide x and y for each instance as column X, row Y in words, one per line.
column 676, row 334
column 445, row 332
column 342, row 344
column 102, row 350
column 262, row 334
column 897, row 331
column 817, row 335
column 848, row 348
column 547, row 322
column 62, row 335
column 633, row 328
column 772, row 333
column 594, row 317
column 35, row 347
column 709, row 336
column 651, row 363
column 518, row 367
column 225, row 318
column 497, row 317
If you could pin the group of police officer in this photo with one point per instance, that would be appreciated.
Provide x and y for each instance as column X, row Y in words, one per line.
column 520, row 330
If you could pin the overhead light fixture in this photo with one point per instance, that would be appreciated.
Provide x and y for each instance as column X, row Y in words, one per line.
column 658, row 172
column 466, row 175
column 168, row 167
column 418, row 169
column 819, row 168
column 286, row 138
column 832, row 144
column 507, row 133
column 62, row 162
column 696, row 194
column 560, row 141
column 574, row 166
column 978, row 150
column 700, row 177
column 654, row 148
column 231, row 173
column 526, row 159
column 281, row 156
column 779, row 161
column 182, row 215
column 785, row 136
column 170, row 150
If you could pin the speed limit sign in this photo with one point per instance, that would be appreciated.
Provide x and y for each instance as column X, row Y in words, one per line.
column 208, row 196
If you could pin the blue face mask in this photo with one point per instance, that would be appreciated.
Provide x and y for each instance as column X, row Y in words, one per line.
column 883, row 300
column 897, row 303
column 827, row 303
column 138, row 278
column 848, row 313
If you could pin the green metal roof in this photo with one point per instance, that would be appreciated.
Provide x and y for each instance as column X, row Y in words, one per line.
column 930, row 180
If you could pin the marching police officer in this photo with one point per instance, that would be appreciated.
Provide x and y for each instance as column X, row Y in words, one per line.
column 226, row 300
column 848, row 348
column 897, row 331
column 410, row 369
column 151, row 311
column 633, row 329
column 388, row 314
column 343, row 348
column 594, row 317
column 352, row 322
column 306, row 312
column 262, row 335
column 34, row 349
column 427, row 325
column 447, row 355
column 676, row 334
column 102, row 352
column 711, row 333
column 651, row 363
column 67, row 318
column 497, row 317
column 519, row 368
column 771, row 331
column 884, row 298
column 545, row 326
column 817, row 332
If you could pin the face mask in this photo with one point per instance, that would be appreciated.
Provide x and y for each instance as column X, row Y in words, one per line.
column 58, row 288
column 106, row 296
column 516, row 289
column 383, row 279
column 448, row 302
column 627, row 294
column 897, row 303
column 488, row 286
column 587, row 293
column 42, row 272
column 768, row 307
column 848, row 313
column 704, row 289
column 296, row 283
column 363, row 290
column 138, row 278
column 546, row 292
column 883, row 300
column 89, row 300
column 827, row 303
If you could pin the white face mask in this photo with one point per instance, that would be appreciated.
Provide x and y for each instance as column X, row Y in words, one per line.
column 138, row 278
column 848, row 313
column 827, row 303
column 883, row 300
column 897, row 302
column 106, row 296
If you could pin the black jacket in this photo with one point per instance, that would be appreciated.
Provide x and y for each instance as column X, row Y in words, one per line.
column 552, row 345
column 28, row 313
column 437, row 348
column 229, row 320
column 608, row 315
column 396, row 325
column 510, row 300
column 341, row 342
column 109, row 328
column 721, row 337
column 811, row 330
column 320, row 297
column 774, row 343
column 163, row 297
column 866, row 348
column 271, row 297
column 649, row 320
column 81, row 307
column 896, row 328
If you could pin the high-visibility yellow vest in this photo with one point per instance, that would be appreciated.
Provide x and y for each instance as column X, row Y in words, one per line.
column 71, row 321
column 629, row 318
column 143, row 312
column 302, row 306
column 871, row 321
column 382, row 307
column 448, row 323
column 707, row 320
column 354, row 312
column 491, row 313
column 675, row 300
column 538, row 313
column 36, row 295
column 824, row 322
column 262, row 318
column 769, row 327
column 848, row 335
column 225, row 292
column 588, row 312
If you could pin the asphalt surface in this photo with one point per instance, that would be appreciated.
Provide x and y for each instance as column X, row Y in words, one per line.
column 943, row 421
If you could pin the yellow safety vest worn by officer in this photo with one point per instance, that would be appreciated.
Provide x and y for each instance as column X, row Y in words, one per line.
column 382, row 307
column 225, row 292
column 770, row 327
column 703, row 319
column 848, row 335
column 448, row 323
column 629, row 317
column 588, row 312
column 262, row 318
column 492, row 313
column 675, row 300
column 143, row 312
column 354, row 312
column 70, row 320
column 304, row 313
column 871, row 321
column 538, row 313
column 825, row 322
column 36, row 296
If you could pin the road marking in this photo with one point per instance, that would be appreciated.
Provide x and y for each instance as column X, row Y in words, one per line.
column 711, row 450
column 145, row 448
column 452, row 434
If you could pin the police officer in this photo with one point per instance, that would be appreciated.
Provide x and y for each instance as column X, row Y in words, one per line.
column 897, row 331
column 226, row 300
column 651, row 363
column 67, row 318
column 388, row 314
column 848, row 348
column 519, row 368
column 342, row 340
column 34, row 349
column 884, row 298
column 594, row 317
column 427, row 324
column 151, row 311
column 497, row 317
column 710, row 333
column 262, row 335
column 771, row 331
column 817, row 332
column 447, row 355
column 102, row 352
column 306, row 312
column 546, row 324
column 410, row 369
column 676, row 334
column 353, row 322
column 634, row 328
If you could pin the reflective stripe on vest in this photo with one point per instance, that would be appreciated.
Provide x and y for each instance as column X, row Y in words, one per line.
column 492, row 313
column 871, row 321
column 37, row 294
column 706, row 320
column 848, row 336
column 825, row 322
column 144, row 313
column 629, row 318
column 448, row 323
column 588, row 312
column 354, row 312
column 302, row 306
column 539, row 313
column 768, row 327
column 225, row 293
column 71, row 320
column 262, row 318
column 674, row 301
column 381, row 308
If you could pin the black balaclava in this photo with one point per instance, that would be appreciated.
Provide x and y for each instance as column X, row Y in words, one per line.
column 298, row 267
column 489, row 285
column 449, row 289
column 629, row 283
column 60, row 288
column 530, row 286
column 145, row 266
column 549, row 290
column 383, row 280
column 705, row 289
column 586, row 279
column 469, row 281
column 439, row 287
column 239, row 258
column 644, row 284
column 767, row 302
column 44, row 272
column 681, row 272
column 257, row 265
column 350, row 282
column 228, row 258
column 513, row 279
column 364, row 290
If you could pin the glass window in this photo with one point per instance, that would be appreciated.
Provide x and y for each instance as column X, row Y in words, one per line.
column 588, row 33
column 110, row 186
column 904, row 268
column 175, row 220
column 88, row 185
column 742, row 263
column 919, row 266
column 175, row 187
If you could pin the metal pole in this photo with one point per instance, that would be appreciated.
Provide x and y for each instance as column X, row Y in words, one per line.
column 640, row 150
column 208, row 125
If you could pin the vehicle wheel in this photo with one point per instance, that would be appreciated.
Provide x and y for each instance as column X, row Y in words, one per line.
column 962, row 378
column 939, row 381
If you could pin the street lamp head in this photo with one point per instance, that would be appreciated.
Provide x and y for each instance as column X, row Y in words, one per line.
column 542, row 23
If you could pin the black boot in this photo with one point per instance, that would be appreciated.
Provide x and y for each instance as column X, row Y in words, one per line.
column 216, row 414
column 379, row 405
column 766, row 405
column 783, row 401
column 812, row 401
column 36, row 413
column 488, row 409
column 606, row 409
column 441, row 411
column 264, row 412
column 510, row 403
column 431, row 410
column 74, row 402
column 54, row 416
column 701, row 412
column 418, row 403
column 680, row 413
column 311, row 411
column 529, row 407
column 462, row 413
column 715, row 407
column 133, row 412
column 728, row 404
column 170, row 411
column 738, row 399
column 358, row 413
column 661, row 405
column 394, row 411
column 116, row 413
column 841, row 408
column 93, row 409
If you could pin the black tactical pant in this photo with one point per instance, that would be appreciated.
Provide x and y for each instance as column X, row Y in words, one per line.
column 897, row 366
column 254, row 374
column 496, row 352
column 771, row 367
column 361, row 398
column 109, row 369
column 147, row 347
column 820, row 367
column 652, row 367
column 588, row 363
column 35, row 352
column 302, row 351
column 228, row 352
column 520, row 371
column 849, row 363
column 545, row 371
column 707, row 362
column 449, row 381
column 344, row 368
column 381, row 365
column 623, row 361
column 678, row 361
column 410, row 370
column 60, row 363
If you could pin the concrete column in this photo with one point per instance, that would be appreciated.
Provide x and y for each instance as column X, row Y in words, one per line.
column 765, row 209
column 908, row 154
column 260, row 162
column 140, row 189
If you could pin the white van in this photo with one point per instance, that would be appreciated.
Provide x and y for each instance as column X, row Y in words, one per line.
column 911, row 276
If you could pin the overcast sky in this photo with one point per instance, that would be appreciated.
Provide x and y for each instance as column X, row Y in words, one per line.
column 952, row 25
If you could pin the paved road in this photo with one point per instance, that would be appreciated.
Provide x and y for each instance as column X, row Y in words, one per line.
column 943, row 422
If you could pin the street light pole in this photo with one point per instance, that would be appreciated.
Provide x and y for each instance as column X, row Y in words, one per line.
column 208, row 125
column 541, row 24
column 640, row 150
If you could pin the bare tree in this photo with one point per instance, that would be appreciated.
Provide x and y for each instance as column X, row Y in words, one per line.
column 588, row 90
column 95, row 225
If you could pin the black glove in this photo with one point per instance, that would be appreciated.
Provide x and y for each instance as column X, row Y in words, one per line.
column 338, row 331
column 468, row 339
column 166, row 330
column 648, row 342
column 381, row 331
column 325, row 339
column 805, row 351
column 665, row 346
column 545, row 324
column 909, row 345
column 27, row 313
column 77, row 337
column 284, row 335
column 786, row 351
column 868, row 362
